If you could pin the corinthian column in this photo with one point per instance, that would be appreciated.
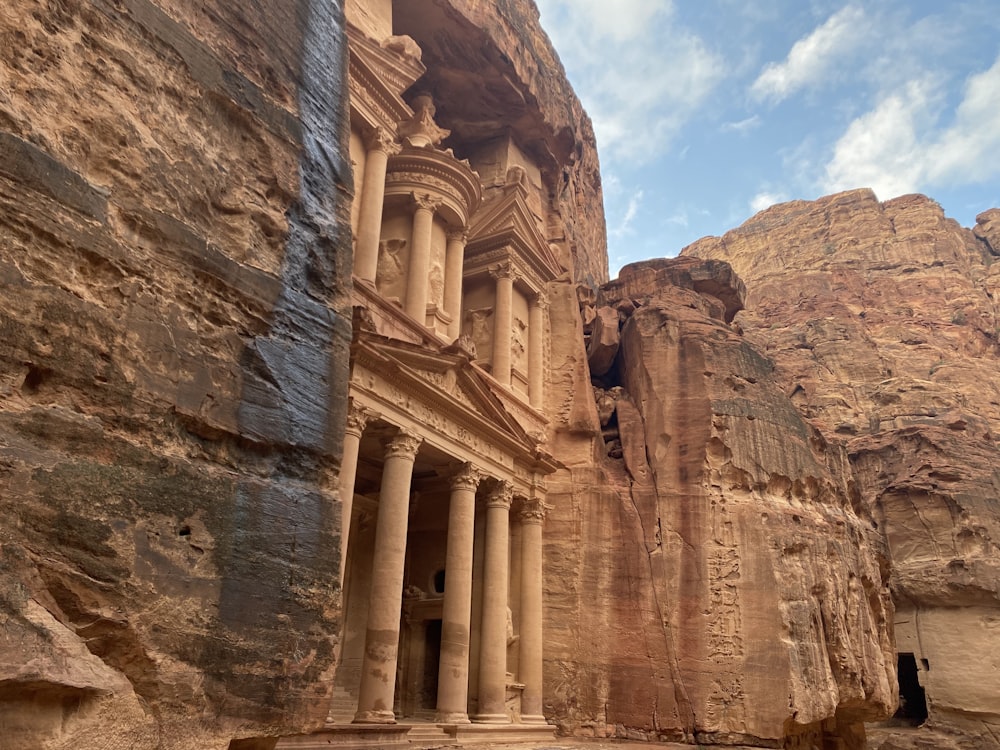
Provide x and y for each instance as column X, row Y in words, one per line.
column 532, row 514
column 454, row 261
column 503, row 321
column 493, row 632
column 378, row 672
column 536, row 349
column 453, row 674
column 357, row 419
column 420, row 257
column 381, row 145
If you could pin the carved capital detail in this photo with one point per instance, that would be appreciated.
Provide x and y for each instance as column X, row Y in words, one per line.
column 426, row 202
column 501, row 496
column 541, row 301
column 380, row 139
column 532, row 511
column 404, row 444
column 458, row 235
column 467, row 477
column 358, row 418
column 503, row 270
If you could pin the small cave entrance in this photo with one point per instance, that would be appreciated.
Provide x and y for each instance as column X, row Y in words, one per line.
column 912, row 700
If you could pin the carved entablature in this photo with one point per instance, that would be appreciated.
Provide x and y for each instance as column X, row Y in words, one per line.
column 379, row 73
column 438, row 176
column 505, row 230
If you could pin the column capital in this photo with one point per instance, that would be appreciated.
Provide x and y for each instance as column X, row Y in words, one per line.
column 541, row 301
column 458, row 234
column 503, row 270
column 425, row 201
column 467, row 477
column 380, row 139
column 358, row 417
column 404, row 444
column 532, row 511
column 501, row 496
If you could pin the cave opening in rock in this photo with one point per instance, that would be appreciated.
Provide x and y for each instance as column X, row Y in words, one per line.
column 912, row 700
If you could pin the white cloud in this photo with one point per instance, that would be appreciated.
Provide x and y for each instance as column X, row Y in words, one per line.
column 640, row 75
column 766, row 199
column 741, row 126
column 896, row 148
column 811, row 58
column 624, row 227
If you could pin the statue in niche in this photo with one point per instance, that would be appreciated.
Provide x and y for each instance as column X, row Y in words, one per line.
column 480, row 327
column 420, row 131
column 517, row 344
column 435, row 286
column 390, row 274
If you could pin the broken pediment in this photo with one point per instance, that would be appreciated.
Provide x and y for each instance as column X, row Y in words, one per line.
column 379, row 73
column 507, row 222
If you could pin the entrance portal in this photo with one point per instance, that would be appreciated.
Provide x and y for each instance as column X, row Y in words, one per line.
column 432, row 661
column 912, row 701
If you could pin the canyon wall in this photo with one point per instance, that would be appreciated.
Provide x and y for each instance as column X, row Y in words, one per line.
column 882, row 321
column 173, row 366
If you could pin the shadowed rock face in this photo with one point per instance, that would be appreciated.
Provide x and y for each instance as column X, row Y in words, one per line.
column 881, row 319
column 172, row 369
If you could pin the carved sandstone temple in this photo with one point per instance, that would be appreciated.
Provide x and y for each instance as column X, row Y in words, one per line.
column 443, row 474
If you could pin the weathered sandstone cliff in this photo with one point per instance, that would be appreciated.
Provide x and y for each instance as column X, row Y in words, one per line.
column 173, row 334
column 728, row 588
column 882, row 319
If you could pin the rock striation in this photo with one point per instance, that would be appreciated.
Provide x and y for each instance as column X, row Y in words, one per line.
column 888, row 345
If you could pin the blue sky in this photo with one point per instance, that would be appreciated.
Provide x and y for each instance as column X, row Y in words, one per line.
column 707, row 111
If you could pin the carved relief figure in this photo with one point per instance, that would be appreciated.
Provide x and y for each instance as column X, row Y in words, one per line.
column 518, row 345
column 479, row 325
column 435, row 287
column 390, row 277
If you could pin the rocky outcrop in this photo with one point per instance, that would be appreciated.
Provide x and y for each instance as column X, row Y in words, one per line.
column 172, row 369
column 889, row 344
column 736, row 589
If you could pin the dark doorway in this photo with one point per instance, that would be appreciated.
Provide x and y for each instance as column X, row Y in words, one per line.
column 432, row 661
column 912, row 701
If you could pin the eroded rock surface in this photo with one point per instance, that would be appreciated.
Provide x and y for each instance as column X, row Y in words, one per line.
column 737, row 591
column 172, row 369
column 882, row 321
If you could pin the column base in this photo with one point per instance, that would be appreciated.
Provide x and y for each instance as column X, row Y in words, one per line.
column 491, row 719
column 533, row 719
column 374, row 717
column 452, row 718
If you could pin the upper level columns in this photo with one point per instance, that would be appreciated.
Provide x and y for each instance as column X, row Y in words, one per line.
column 420, row 255
column 381, row 145
column 454, row 260
column 493, row 633
column 537, row 308
column 503, row 321
column 456, row 617
column 378, row 672
column 531, row 514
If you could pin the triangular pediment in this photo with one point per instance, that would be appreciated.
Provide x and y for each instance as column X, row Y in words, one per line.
column 508, row 220
column 379, row 74
column 445, row 381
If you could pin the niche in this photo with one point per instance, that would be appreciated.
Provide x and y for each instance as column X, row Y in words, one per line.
column 912, row 701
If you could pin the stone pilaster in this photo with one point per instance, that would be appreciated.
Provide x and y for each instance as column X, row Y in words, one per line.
column 358, row 418
column 381, row 145
column 503, row 321
column 420, row 256
column 537, row 314
column 453, row 675
column 532, row 516
column 493, row 632
column 378, row 672
column 454, row 260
